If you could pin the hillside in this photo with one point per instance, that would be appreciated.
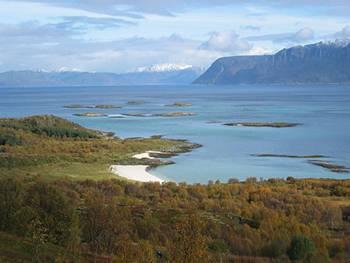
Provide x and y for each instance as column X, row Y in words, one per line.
column 116, row 221
column 52, row 146
column 316, row 63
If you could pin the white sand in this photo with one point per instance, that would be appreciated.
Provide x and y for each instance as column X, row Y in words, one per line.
column 135, row 172
column 145, row 155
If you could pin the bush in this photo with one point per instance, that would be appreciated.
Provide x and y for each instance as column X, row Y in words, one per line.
column 218, row 246
column 300, row 248
column 9, row 139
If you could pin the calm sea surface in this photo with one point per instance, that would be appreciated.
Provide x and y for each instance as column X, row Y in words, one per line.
column 227, row 152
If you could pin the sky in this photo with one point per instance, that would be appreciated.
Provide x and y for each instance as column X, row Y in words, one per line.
column 125, row 35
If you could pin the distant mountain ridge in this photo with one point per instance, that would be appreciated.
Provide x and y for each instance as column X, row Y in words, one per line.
column 165, row 68
column 75, row 78
column 324, row 62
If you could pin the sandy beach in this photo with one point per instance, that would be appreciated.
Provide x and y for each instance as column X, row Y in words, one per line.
column 136, row 172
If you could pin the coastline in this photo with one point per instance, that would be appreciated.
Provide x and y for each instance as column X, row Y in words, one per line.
column 138, row 173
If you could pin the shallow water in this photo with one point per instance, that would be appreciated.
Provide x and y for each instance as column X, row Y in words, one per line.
column 323, row 110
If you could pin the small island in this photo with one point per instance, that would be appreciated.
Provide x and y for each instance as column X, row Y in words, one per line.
column 180, row 104
column 107, row 106
column 90, row 114
column 77, row 106
column 289, row 156
column 136, row 102
column 98, row 106
column 165, row 114
column 263, row 124
column 174, row 114
column 136, row 115
column 331, row 166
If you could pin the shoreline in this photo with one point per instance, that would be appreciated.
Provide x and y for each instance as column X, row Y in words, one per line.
column 137, row 173
column 147, row 160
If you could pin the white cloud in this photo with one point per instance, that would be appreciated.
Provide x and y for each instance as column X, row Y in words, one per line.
column 110, row 56
column 170, row 7
column 121, row 35
column 304, row 34
column 301, row 36
column 227, row 41
column 260, row 51
column 344, row 33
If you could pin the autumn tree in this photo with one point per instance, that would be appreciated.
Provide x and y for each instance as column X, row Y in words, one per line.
column 190, row 244
column 51, row 207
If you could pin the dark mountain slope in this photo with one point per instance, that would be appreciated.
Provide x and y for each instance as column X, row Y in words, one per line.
column 317, row 63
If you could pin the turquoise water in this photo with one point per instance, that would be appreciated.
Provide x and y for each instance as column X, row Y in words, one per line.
column 324, row 112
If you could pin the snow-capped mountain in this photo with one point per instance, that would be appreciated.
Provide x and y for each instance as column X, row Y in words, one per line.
column 165, row 74
column 164, row 68
column 337, row 43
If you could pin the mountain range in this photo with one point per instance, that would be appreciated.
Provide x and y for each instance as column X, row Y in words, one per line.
column 164, row 74
column 324, row 62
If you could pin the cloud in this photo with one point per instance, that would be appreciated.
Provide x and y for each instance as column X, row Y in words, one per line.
column 169, row 7
column 133, row 7
column 344, row 33
column 251, row 27
column 227, row 41
column 52, row 47
column 33, row 30
column 301, row 36
column 85, row 22
column 106, row 35
column 65, row 27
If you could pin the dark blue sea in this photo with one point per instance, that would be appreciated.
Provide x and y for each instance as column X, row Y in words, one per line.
column 227, row 152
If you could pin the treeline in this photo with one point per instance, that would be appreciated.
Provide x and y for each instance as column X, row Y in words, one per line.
column 115, row 221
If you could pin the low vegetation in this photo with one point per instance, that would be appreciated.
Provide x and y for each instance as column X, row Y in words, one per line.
column 117, row 221
column 53, row 146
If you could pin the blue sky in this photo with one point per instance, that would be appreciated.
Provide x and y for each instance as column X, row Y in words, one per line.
column 123, row 35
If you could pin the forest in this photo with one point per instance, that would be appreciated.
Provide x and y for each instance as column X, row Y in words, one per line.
column 76, row 216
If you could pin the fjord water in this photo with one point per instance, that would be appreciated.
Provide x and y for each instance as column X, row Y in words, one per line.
column 323, row 111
